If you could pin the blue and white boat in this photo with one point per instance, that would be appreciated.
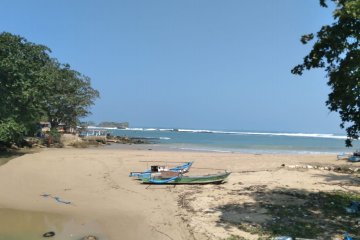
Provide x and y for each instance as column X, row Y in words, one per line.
column 158, row 169
column 355, row 157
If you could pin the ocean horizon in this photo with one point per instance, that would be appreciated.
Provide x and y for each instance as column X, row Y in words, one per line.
column 256, row 142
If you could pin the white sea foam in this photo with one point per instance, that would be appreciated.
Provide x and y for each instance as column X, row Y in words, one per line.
column 311, row 135
column 203, row 150
column 150, row 129
column 141, row 129
column 304, row 135
column 105, row 128
column 166, row 129
column 252, row 151
column 196, row 131
column 165, row 138
column 133, row 129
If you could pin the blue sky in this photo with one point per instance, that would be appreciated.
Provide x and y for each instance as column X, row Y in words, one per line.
column 187, row 63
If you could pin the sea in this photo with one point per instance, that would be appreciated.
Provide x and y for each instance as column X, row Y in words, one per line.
column 254, row 142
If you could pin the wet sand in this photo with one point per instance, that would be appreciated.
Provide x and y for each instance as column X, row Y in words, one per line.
column 96, row 183
column 28, row 225
column 7, row 156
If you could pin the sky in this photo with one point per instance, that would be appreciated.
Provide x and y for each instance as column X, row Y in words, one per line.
column 198, row 64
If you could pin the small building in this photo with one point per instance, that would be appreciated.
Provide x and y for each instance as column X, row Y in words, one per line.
column 44, row 126
column 62, row 128
column 93, row 133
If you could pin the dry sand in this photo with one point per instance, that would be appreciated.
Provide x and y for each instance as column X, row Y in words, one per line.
column 101, row 193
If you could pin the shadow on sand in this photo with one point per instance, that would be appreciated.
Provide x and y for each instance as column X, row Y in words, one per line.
column 7, row 156
column 292, row 212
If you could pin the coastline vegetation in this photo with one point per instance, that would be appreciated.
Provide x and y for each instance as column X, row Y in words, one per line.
column 35, row 87
column 337, row 49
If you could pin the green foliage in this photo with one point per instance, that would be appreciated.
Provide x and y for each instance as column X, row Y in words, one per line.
column 87, row 123
column 235, row 237
column 11, row 132
column 21, row 79
column 337, row 49
column 54, row 135
column 35, row 87
column 68, row 95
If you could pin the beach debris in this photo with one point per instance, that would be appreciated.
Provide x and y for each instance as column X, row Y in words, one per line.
column 305, row 238
column 335, row 168
column 49, row 234
column 282, row 238
column 57, row 199
column 61, row 201
column 89, row 237
column 347, row 237
column 354, row 207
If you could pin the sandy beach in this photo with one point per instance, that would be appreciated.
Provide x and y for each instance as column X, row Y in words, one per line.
column 104, row 201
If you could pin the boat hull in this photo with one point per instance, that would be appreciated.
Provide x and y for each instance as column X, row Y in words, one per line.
column 146, row 174
column 205, row 179
column 354, row 159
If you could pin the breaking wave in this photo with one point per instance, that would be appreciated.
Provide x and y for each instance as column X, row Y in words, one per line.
column 311, row 135
column 303, row 135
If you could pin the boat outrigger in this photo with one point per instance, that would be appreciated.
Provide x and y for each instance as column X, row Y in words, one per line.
column 344, row 156
column 179, row 178
column 157, row 169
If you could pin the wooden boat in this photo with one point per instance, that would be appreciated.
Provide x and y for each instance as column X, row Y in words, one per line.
column 178, row 178
column 158, row 169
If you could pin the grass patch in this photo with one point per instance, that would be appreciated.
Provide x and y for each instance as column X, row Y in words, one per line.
column 317, row 215
column 235, row 237
column 322, row 214
column 253, row 228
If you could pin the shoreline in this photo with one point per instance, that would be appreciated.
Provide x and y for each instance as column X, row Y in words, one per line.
column 243, row 141
column 96, row 182
column 9, row 155
column 177, row 148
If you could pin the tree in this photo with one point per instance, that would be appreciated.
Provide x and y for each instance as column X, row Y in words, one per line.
column 68, row 96
column 21, row 85
column 337, row 49
column 34, row 87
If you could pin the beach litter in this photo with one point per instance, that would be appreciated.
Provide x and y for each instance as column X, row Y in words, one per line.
column 57, row 199
column 48, row 234
column 90, row 237
column 305, row 238
column 347, row 237
column 354, row 207
column 290, row 238
column 282, row 238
